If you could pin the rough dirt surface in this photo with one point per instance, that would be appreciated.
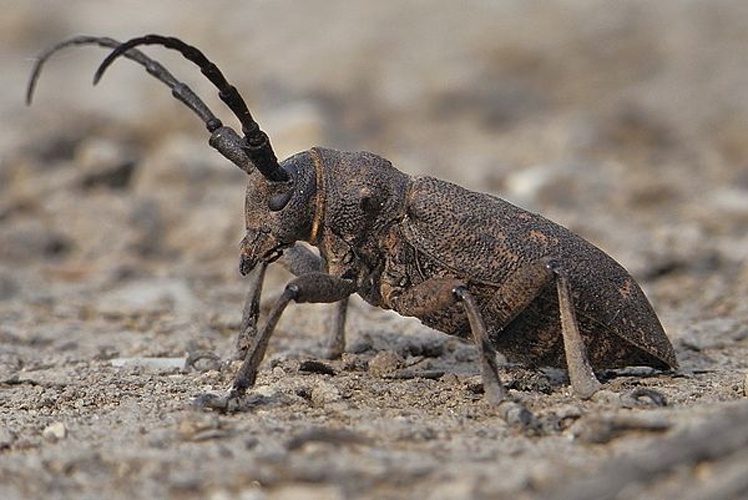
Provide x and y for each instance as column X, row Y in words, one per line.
column 625, row 121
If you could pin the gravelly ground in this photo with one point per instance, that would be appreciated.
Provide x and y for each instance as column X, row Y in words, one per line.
column 625, row 121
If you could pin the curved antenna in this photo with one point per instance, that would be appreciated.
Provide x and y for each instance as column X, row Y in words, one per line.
column 223, row 139
column 255, row 143
column 178, row 89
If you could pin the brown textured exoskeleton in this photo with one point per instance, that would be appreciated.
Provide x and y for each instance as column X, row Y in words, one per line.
column 464, row 263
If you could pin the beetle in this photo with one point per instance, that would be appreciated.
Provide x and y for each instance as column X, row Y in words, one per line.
column 465, row 263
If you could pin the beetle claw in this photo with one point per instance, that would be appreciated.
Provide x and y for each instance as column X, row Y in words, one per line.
column 232, row 401
column 211, row 401
column 516, row 415
column 644, row 396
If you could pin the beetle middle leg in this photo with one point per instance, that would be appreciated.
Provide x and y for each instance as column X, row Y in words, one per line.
column 519, row 290
column 494, row 390
column 440, row 293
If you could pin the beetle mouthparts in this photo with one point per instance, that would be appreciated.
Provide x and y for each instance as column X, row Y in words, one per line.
column 273, row 254
column 246, row 265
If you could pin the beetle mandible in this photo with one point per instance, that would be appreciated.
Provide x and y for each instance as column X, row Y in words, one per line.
column 465, row 263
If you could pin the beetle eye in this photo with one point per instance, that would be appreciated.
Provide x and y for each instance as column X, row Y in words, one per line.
column 368, row 201
column 280, row 200
column 370, row 204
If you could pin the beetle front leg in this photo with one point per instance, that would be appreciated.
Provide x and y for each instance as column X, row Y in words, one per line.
column 251, row 311
column 300, row 260
column 307, row 288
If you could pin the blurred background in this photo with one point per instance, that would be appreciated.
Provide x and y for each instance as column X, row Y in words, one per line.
column 624, row 120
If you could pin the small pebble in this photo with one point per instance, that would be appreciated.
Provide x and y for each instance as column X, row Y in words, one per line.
column 385, row 362
column 7, row 438
column 314, row 366
column 55, row 432
column 324, row 393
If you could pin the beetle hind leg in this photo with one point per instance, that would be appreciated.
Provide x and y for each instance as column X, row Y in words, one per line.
column 521, row 289
column 581, row 375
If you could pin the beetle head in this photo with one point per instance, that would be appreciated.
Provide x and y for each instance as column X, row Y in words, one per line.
column 352, row 196
column 278, row 214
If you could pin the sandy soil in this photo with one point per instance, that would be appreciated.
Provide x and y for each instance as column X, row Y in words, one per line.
column 625, row 121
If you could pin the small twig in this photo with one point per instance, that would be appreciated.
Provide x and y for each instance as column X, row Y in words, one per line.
column 722, row 435
column 314, row 366
column 322, row 435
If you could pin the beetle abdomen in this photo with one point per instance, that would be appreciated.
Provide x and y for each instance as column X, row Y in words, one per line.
column 483, row 240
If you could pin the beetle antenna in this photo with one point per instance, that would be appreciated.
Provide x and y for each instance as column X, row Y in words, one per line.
column 223, row 138
column 180, row 90
column 256, row 143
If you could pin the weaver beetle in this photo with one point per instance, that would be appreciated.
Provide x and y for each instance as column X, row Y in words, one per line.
column 465, row 263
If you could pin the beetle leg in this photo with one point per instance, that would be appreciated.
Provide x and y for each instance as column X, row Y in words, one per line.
column 312, row 288
column 515, row 294
column 521, row 288
column 494, row 390
column 336, row 340
column 300, row 260
column 251, row 311
column 438, row 294
column 247, row 374
column 581, row 375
